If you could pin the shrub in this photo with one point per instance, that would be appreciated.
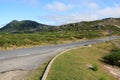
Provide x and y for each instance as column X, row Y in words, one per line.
column 113, row 58
column 94, row 67
column 102, row 78
column 24, row 39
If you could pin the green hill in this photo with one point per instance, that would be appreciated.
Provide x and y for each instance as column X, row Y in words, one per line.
column 32, row 26
column 24, row 26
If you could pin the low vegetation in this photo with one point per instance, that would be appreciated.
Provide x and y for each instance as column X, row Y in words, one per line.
column 113, row 58
column 44, row 38
column 94, row 67
column 76, row 64
column 30, row 33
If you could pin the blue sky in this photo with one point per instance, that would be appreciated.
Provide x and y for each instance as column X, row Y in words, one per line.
column 56, row 12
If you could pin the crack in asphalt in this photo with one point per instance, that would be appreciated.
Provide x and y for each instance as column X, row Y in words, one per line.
column 11, row 70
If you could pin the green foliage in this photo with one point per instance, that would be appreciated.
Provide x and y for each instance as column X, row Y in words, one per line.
column 25, row 39
column 113, row 58
column 102, row 78
column 94, row 67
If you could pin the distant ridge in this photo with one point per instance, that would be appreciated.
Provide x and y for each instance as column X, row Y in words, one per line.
column 103, row 24
column 32, row 26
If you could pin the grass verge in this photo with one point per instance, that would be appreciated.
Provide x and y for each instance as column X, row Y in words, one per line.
column 74, row 64
column 37, row 74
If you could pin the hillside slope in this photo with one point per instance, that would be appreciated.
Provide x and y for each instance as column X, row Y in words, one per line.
column 104, row 24
column 32, row 26
column 24, row 26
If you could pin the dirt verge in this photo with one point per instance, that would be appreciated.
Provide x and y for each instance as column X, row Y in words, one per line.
column 113, row 71
column 13, row 75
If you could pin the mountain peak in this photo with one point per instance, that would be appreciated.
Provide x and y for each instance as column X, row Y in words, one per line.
column 14, row 21
column 25, row 25
column 32, row 26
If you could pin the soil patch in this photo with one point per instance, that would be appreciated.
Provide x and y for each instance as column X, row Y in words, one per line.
column 13, row 75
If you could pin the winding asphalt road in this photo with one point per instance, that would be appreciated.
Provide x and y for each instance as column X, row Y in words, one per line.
column 31, row 58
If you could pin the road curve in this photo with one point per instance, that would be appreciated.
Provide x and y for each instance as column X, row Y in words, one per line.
column 31, row 58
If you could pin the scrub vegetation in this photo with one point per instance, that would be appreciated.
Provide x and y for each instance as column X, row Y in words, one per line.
column 9, row 40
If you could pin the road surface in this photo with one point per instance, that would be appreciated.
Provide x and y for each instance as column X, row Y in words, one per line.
column 31, row 58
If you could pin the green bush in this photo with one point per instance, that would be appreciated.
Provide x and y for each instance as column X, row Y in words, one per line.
column 113, row 58
column 94, row 67
column 102, row 78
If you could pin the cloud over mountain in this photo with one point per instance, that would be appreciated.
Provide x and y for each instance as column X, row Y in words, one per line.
column 58, row 6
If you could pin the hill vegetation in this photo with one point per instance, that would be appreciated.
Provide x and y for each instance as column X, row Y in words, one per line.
column 30, row 33
column 44, row 38
column 32, row 26
column 104, row 24
column 27, row 26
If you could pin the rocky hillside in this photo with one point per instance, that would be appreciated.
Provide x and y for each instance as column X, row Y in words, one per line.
column 104, row 24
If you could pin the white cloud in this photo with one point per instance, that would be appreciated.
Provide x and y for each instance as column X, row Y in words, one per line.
column 59, row 6
column 83, row 16
column 93, row 5
column 64, row 19
column 110, row 11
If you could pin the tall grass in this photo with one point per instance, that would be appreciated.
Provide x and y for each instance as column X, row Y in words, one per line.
column 43, row 38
